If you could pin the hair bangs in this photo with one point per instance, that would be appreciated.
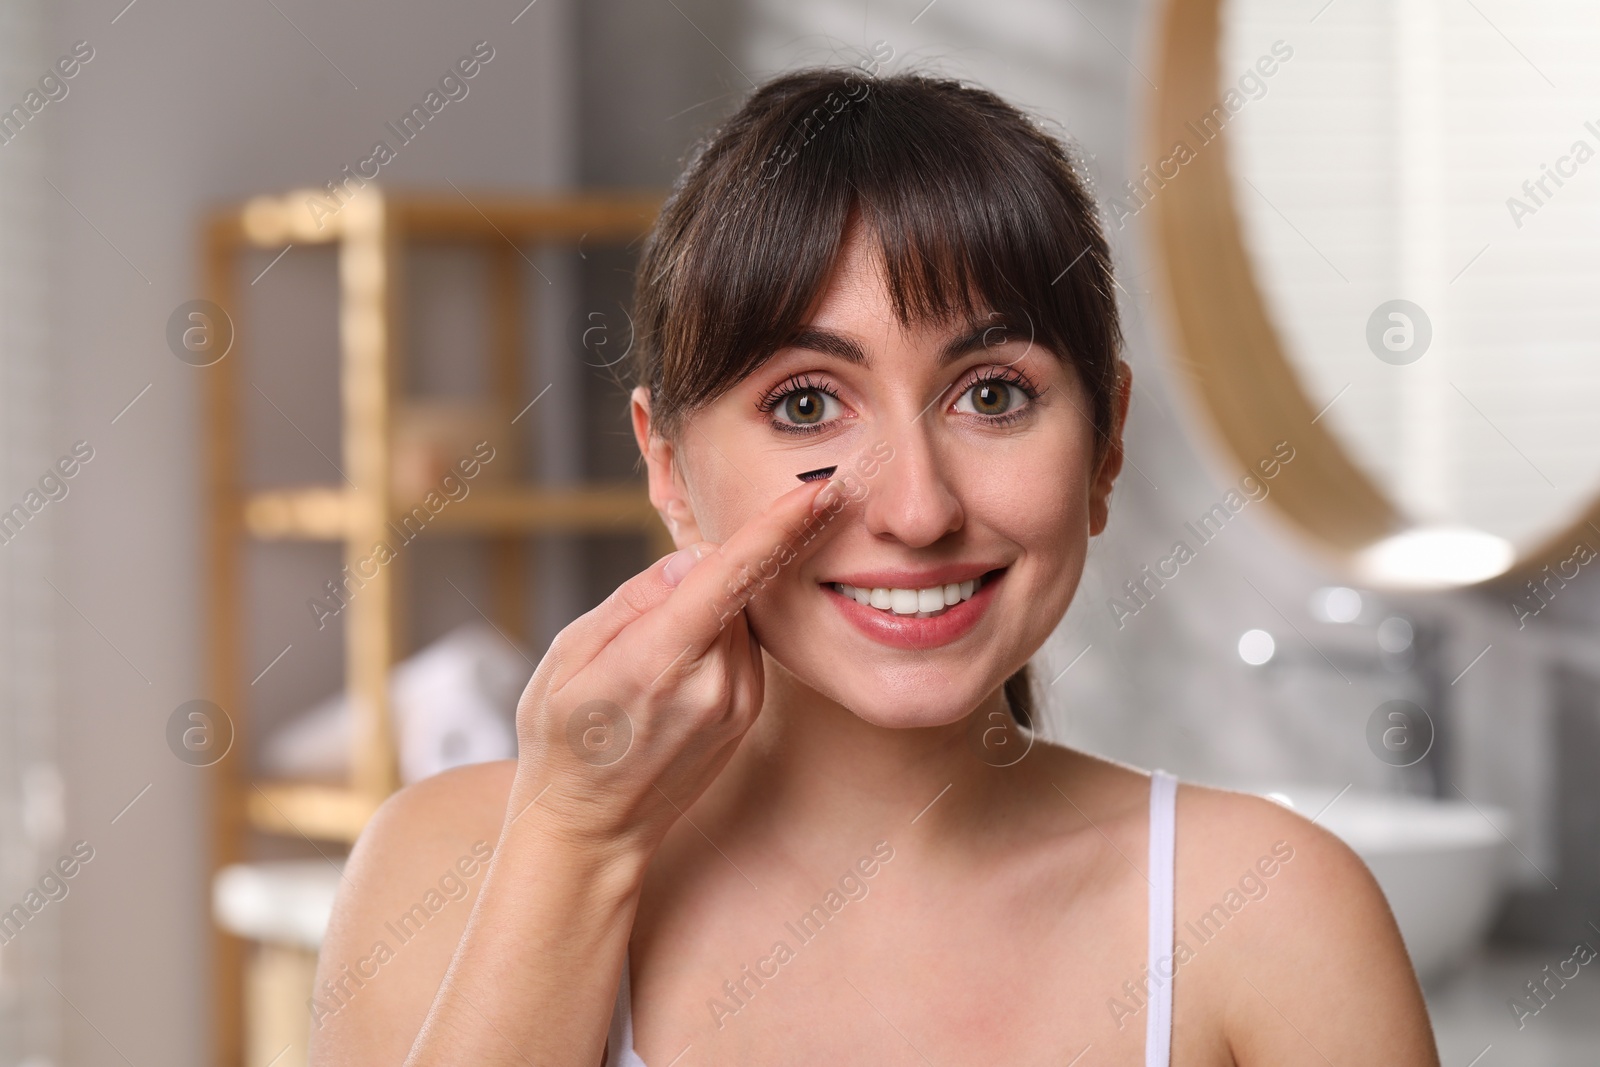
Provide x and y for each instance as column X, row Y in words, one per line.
column 977, row 216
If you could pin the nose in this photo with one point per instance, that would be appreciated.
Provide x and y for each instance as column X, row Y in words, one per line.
column 913, row 500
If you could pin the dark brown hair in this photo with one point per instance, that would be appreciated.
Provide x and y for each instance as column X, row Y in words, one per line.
column 977, row 210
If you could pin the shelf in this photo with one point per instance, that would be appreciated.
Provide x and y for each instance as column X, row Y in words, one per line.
column 383, row 432
column 270, row 221
column 306, row 514
column 324, row 513
column 320, row 812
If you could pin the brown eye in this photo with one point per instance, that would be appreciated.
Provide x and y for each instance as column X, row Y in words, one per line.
column 991, row 398
column 1000, row 400
column 804, row 406
column 800, row 405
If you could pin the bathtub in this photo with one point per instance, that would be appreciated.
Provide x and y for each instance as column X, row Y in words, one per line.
column 1441, row 863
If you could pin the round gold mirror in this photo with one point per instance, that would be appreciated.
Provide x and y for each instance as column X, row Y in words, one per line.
column 1379, row 229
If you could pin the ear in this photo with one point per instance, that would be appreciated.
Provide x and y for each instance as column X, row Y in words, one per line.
column 668, row 492
column 1111, row 462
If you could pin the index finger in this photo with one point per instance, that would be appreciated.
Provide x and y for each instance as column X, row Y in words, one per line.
column 721, row 584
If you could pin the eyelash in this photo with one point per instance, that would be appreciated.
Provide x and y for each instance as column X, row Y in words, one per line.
column 1011, row 376
column 796, row 383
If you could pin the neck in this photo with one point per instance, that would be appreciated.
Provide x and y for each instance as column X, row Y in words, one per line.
column 811, row 770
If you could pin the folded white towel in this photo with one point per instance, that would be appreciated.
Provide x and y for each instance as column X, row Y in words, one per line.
column 454, row 702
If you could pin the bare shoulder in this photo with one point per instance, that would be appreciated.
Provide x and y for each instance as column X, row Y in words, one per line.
column 1289, row 939
column 437, row 810
column 407, row 892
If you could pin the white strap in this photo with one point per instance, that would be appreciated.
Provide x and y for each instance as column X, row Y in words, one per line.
column 1163, row 839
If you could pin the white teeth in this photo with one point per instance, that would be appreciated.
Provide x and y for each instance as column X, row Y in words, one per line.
column 920, row 602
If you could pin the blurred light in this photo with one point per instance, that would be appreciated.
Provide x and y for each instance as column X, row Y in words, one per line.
column 1336, row 603
column 1394, row 634
column 1256, row 647
column 1435, row 557
column 1281, row 798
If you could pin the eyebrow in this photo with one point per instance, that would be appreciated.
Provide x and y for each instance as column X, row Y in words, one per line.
column 817, row 339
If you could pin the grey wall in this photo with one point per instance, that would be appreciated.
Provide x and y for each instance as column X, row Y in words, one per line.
column 193, row 105
column 185, row 106
column 31, row 819
column 653, row 77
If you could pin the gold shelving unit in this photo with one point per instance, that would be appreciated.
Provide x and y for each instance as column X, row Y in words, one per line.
column 370, row 230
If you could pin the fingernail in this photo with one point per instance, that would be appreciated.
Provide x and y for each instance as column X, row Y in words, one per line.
column 680, row 563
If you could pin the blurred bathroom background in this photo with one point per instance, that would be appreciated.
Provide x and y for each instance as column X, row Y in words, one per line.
column 1451, row 734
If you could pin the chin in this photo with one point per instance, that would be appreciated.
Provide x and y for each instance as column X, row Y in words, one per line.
column 897, row 703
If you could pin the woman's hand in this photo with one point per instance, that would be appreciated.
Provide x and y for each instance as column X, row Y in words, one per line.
column 632, row 712
column 639, row 704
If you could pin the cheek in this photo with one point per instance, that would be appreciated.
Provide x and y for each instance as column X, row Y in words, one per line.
column 721, row 509
column 1034, row 496
column 721, row 496
column 1034, row 504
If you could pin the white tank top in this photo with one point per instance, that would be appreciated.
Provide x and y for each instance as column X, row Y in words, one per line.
column 1158, row 1020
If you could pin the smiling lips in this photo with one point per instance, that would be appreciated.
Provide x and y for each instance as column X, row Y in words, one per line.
column 916, row 616
column 923, row 603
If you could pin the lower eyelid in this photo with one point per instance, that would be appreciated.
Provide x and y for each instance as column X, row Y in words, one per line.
column 799, row 428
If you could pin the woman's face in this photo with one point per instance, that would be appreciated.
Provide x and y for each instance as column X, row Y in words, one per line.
column 970, row 470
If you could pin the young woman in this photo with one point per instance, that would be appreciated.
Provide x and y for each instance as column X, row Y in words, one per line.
column 775, row 799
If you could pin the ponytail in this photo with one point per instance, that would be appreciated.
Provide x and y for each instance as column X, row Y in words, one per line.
column 1020, row 697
